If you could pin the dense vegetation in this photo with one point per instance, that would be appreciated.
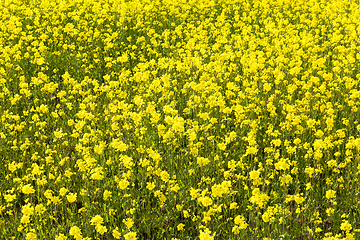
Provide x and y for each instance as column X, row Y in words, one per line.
column 228, row 119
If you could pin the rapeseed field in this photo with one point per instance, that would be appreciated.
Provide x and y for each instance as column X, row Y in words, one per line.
column 181, row 119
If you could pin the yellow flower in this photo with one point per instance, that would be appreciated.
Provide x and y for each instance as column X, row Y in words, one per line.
column 123, row 184
column 234, row 205
column 205, row 201
column 71, row 197
column 178, row 125
column 40, row 61
column 25, row 219
column 61, row 237
column 346, row 226
column 48, row 194
column 128, row 222
column 58, row 134
column 330, row 194
column 97, row 220
column 259, row 198
column 165, row 176
column 202, row 161
column 119, row 145
column 206, row 235
column 310, row 171
column 254, row 175
column 282, row 165
column 222, row 146
column 251, row 150
column 116, row 234
column 107, row 194
column 267, row 87
column 240, row 221
column 63, row 191
column 28, row 189
column 299, row 199
column 99, row 149
column 330, row 211
column 9, row 197
column 150, row 185
column 297, row 141
column 101, row 229
column 186, row 214
column 276, row 142
column 27, row 209
column 175, row 188
column 130, row 236
column 97, row 174
column 75, row 231
column 31, row 236
column 180, row 227
column 286, row 179
column 236, row 229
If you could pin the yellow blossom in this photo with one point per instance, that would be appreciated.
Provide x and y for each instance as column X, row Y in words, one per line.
column 28, row 189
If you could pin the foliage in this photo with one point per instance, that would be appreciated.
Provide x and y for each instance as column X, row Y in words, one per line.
column 228, row 119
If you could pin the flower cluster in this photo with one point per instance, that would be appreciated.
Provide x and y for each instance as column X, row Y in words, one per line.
column 231, row 119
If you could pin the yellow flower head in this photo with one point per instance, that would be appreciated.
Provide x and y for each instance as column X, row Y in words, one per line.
column 206, row 235
column 75, row 231
column 130, row 236
column 254, row 175
column 71, row 197
column 97, row 220
column 28, row 189
column 330, row 194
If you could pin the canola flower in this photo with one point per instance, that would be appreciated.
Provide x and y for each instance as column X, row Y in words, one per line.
column 229, row 119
